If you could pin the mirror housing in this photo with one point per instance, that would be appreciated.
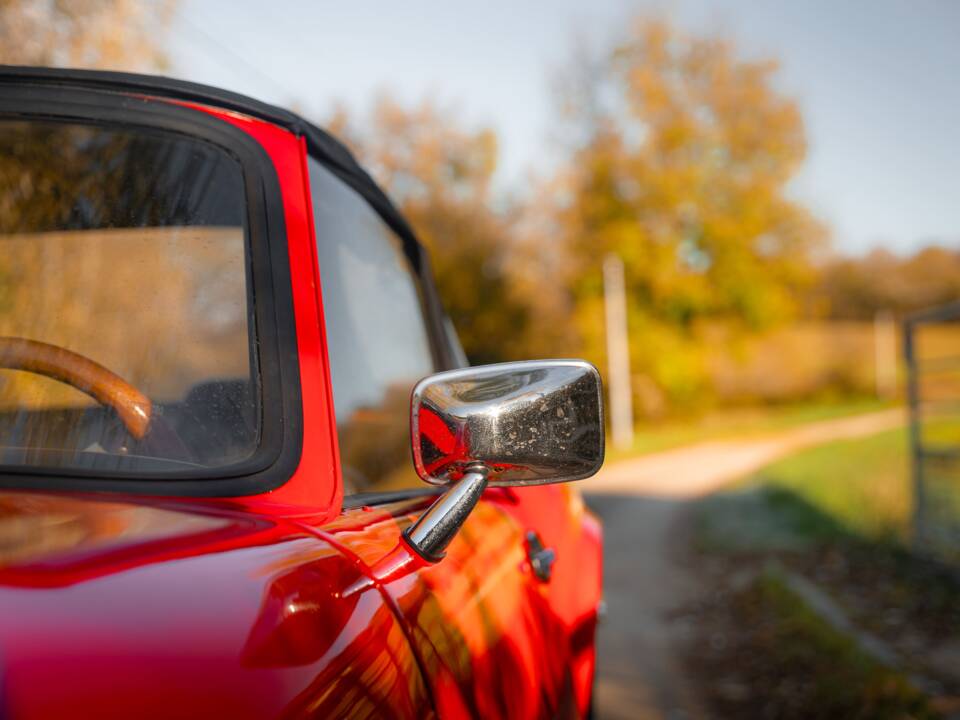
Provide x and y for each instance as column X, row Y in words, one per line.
column 524, row 423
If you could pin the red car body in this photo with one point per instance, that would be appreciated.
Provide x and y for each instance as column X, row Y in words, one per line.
column 123, row 601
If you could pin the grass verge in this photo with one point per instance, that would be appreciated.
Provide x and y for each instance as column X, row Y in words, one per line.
column 858, row 487
column 770, row 655
column 839, row 515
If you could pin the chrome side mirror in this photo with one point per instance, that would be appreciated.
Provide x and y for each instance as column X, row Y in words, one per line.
column 527, row 423
column 523, row 423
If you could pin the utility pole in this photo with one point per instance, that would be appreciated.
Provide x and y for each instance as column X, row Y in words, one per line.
column 618, row 353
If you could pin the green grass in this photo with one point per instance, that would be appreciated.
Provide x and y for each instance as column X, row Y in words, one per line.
column 863, row 486
column 840, row 514
column 853, row 497
column 859, row 488
column 760, row 519
column 738, row 422
column 941, row 431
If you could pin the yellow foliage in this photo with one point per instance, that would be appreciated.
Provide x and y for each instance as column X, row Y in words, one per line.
column 681, row 172
column 440, row 175
column 104, row 34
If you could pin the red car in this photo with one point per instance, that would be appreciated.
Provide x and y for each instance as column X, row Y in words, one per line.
column 212, row 327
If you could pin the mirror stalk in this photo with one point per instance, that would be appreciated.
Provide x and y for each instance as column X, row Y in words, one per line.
column 433, row 531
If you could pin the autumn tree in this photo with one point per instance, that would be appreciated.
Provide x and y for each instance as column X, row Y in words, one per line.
column 104, row 34
column 440, row 174
column 681, row 156
column 856, row 288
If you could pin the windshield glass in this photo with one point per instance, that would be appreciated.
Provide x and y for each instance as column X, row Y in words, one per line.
column 125, row 325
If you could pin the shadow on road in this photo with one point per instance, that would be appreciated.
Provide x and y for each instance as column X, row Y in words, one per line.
column 639, row 674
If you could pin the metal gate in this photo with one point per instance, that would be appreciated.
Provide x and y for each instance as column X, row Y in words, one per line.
column 932, row 353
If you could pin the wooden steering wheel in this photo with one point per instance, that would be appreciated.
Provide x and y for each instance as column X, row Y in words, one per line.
column 132, row 406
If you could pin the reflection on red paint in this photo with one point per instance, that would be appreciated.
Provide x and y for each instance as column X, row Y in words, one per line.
column 488, row 636
column 302, row 614
column 352, row 640
column 516, row 662
column 54, row 540
column 400, row 562
column 450, row 447
column 231, row 615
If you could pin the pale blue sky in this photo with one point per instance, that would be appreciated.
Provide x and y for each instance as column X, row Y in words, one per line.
column 878, row 82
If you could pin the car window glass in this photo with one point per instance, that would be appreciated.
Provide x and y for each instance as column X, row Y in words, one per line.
column 376, row 335
column 125, row 341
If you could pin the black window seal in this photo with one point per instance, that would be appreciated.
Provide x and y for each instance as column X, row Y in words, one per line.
column 362, row 499
column 278, row 453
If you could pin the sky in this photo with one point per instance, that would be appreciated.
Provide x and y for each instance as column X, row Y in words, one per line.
column 877, row 82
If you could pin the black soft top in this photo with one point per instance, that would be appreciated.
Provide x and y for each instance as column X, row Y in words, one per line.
column 320, row 144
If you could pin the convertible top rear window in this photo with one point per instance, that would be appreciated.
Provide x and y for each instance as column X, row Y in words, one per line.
column 126, row 330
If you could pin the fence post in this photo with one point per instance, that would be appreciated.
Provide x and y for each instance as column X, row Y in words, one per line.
column 885, row 354
column 618, row 353
column 916, row 450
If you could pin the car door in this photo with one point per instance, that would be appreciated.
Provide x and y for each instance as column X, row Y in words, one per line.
column 492, row 639
column 483, row 628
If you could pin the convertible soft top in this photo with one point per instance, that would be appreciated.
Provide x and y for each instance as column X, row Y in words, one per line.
column 320, row 144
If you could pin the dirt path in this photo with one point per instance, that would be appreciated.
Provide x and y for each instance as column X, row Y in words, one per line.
column 642, row 503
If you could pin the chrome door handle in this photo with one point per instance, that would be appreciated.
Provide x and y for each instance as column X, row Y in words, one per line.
column 541, row 558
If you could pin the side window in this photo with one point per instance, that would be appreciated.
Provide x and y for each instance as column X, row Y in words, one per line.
column 376, row 333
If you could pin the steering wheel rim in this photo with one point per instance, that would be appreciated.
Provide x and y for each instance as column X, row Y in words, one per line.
column 133, row 407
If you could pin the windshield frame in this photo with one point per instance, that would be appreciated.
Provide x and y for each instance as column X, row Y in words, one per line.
column 272, row 329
